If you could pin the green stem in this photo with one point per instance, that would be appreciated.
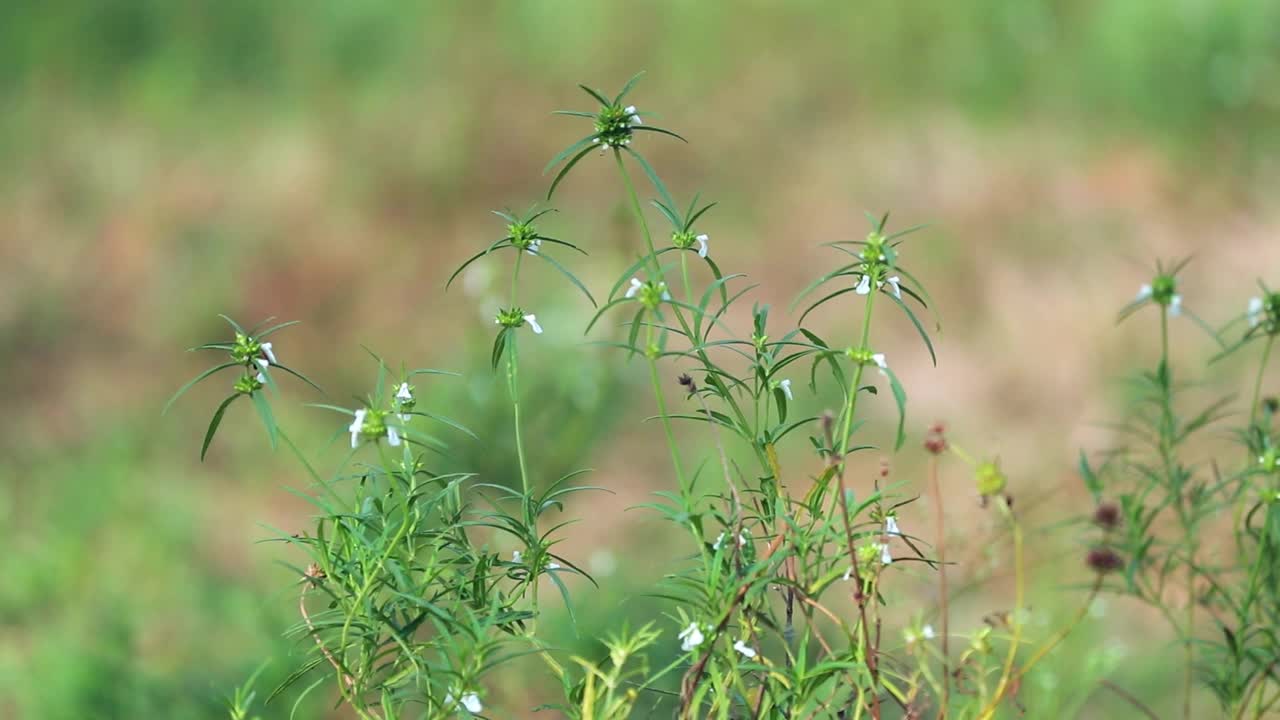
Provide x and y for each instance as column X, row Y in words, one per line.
column 851, row 402
column 657, row 274
column 1257, row 383
column 1167, row 439
column 513, row 388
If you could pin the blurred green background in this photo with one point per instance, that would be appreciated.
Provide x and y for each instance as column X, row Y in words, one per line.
column 332, row 162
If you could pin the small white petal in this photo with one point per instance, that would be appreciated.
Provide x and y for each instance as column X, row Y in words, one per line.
column 927, row 632
column 746, row 650
column 885, row 557
column 266, row 348
column 1175, row 306
column 471, row 702
column 635, row 287
column 785, row 387
column 393, row 436
column 891, row 526
column 553, row 566
column 595, row 140
column 895, row 284
column 262, row 378
column 516, row 557
column 691, row 637
column 1255, row 312
column 878, row 359
column 262, row 363
column 743, row 538
column 534, row 247
column 847, row 574
column 864, row 286
column 720, row 538
column 702, row 245
column 1144, row 292
column 533, row 323
column 403, row 393
column 356, row 426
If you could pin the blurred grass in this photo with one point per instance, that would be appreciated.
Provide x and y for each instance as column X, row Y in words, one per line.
column 331, row 161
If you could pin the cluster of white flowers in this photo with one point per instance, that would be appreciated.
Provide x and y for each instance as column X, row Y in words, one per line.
column 1175, row 303
column 895, row 285
column 743, row 539
column 357, row 426
column 637, row 286
column 690, row 637
column 469, row 700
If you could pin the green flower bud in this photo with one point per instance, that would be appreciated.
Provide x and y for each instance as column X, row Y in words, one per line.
column 247, row 384
column 1269, row 460
column 989, row 478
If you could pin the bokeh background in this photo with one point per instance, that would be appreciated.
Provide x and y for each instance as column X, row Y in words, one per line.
column 332, row 162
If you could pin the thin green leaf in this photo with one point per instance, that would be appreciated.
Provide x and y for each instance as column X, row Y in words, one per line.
column 564, row 271
column 197, row 379
column 214, row 423
column 565, row 170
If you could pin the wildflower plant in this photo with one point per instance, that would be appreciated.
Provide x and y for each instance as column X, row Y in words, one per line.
column 792, row 573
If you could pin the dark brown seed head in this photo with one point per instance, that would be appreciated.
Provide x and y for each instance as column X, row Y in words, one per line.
column 1107, row 516
column 1103, row 560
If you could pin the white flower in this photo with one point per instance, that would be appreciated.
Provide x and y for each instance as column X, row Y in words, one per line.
column 404, row 394
column 742, row 540
column 864, row 286
column 533, row 323
column 891, row 526
column 1255, row 312
column 894, row 284
column 927, row 632
column 356, row 426
column 393, row 436
column 516, row 557
column 266, row 348
column 1175, row 306
column 534, row 245
column 847, row 574
column 553, row 566
column 878, row 359
column 632, row 115
column 470, row 701
column 785, row 387
column 262, row 378
column 745, row 649
column 690, row 637
column 1144, row 292
column 702, row 244
column 635, row 287
column 885, row 557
